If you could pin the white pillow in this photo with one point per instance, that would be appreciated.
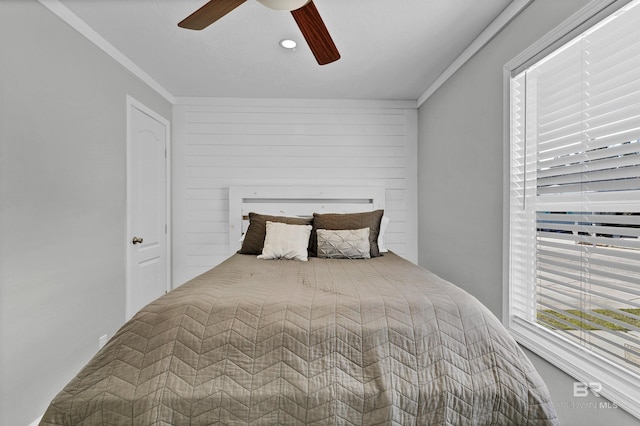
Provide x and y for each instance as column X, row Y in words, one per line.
column 383, row 227
column 344, row 244
column 284, row 241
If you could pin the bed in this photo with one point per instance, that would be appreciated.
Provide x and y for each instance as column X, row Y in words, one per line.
column 364, row 341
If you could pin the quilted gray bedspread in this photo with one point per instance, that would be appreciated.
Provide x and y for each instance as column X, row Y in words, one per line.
column 378, row 341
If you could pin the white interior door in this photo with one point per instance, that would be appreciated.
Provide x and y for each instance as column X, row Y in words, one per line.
column 147, row 211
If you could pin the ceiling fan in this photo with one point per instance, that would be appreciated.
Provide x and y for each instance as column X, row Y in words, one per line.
column 304, row 13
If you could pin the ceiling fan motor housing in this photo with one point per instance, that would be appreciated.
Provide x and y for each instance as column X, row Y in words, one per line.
column 284, row 4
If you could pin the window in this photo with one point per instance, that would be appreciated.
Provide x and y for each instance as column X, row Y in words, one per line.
column 574, row 204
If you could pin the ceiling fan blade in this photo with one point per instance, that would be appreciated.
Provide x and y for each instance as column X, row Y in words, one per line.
column 316, row 34
column 209, row 13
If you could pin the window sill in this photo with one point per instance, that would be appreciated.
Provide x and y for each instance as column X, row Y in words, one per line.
column 617, row 384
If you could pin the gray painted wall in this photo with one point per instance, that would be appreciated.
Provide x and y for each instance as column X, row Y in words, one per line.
column 62, row 195
column 460, row 183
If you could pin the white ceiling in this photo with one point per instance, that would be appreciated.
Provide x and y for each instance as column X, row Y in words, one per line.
column 391, row 49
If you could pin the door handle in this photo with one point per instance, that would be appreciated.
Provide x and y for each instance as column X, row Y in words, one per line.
column 136, row 240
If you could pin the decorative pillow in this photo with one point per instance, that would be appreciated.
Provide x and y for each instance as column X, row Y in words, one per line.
column 382, row 246
column 283, row 241
column 341, row 221
column 344, row 244
column 254, row 237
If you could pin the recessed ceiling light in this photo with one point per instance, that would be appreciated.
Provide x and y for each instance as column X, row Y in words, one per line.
column 288, row 44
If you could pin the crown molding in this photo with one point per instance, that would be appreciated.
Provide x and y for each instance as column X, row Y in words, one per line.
column 498, row 24
column 62, row 12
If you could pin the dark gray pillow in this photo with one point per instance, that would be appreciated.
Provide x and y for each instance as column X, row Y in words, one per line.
column 341, row 221
column 257, row 230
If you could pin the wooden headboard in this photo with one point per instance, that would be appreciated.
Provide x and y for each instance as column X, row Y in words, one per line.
column 296, row 201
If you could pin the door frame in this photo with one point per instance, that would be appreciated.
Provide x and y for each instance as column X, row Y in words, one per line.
column 132, row 103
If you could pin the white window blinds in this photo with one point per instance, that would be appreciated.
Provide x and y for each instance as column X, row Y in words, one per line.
column 574, row 251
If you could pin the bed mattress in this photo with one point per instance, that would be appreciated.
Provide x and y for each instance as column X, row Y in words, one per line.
column 328, row 341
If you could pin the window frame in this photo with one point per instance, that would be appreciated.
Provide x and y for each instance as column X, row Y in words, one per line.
column 618, row 385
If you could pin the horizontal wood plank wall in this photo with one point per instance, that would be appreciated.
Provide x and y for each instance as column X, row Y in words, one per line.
column 223, row 142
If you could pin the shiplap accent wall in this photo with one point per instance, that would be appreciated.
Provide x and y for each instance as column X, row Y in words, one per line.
column 220, row 142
